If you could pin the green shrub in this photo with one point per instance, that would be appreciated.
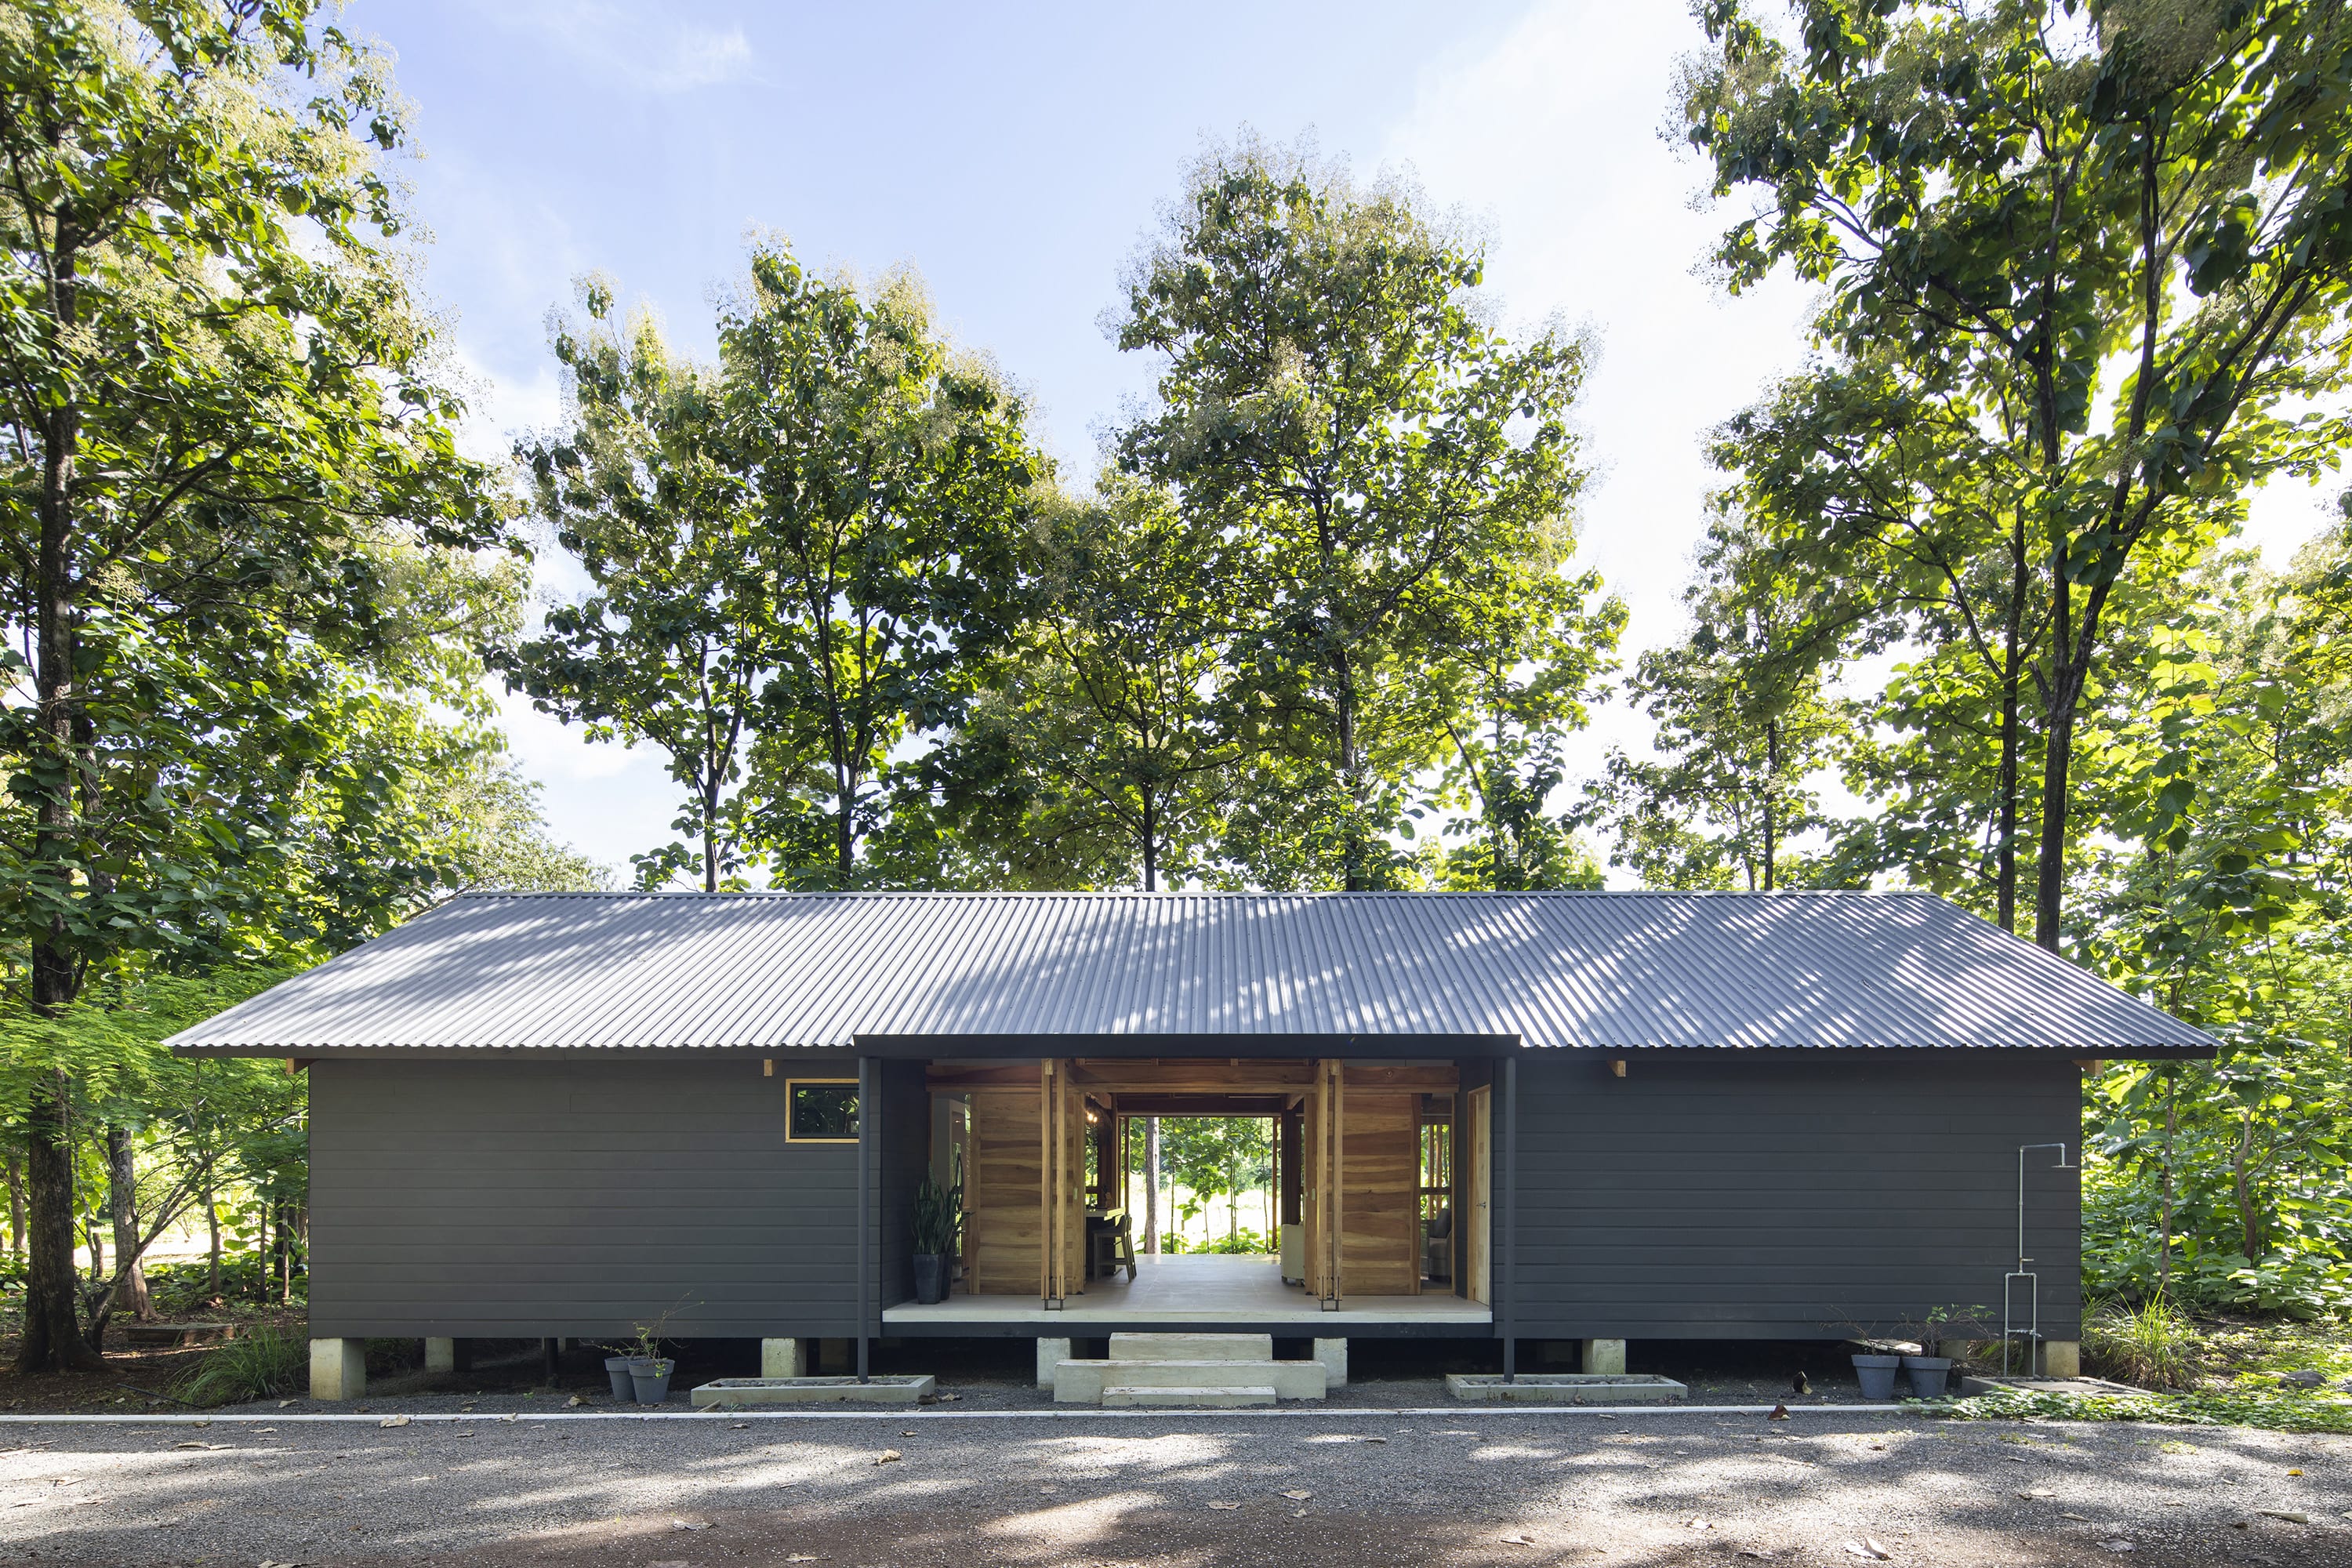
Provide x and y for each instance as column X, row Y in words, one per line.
column 2153, row 1345
column 267, row 1362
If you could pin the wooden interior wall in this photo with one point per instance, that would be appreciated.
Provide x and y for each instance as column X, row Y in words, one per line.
column 1002, row 1221
column 1379, row 1237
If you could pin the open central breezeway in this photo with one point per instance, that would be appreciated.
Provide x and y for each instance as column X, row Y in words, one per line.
column 1191, row 1287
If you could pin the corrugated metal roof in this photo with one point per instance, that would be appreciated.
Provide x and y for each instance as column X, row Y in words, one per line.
column 1595, row 969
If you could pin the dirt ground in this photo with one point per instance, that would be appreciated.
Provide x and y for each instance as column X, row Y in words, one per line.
column 1173, row 1490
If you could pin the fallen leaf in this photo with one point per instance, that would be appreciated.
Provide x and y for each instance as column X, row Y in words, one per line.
column 1780, row 1413
column 191, row 1444
column 803, row 1557
column 574, row 1403
column 738, row 1426
column 393, row 1421
column 2293, row 1516
column 509, row 1415
column 1877, row 1548
column 2117, row 1545
column 889, row 1456
column 2084, row 1517
column 284, row 1402
column 682, row 1524
column 1299, row 1495
column 2294, row 1472
column 1227, row 1505
column 943, row 1399
column 1376, row 1439
column 1859, row 1549
column 1300, row 1514
column 2043, row 1491
column 1517, row 1540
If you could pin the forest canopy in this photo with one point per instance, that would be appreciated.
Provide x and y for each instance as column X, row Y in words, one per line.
column 1971, row 611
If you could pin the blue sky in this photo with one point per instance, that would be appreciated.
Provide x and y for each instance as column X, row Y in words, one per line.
column 1015, row 156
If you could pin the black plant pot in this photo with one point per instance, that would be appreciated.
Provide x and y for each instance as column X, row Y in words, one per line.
column 931, row 1277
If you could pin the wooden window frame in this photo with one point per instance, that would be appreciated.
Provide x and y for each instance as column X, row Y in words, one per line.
column 793, row 1083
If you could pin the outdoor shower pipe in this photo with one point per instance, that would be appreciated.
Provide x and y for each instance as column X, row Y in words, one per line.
column 2022, row 1150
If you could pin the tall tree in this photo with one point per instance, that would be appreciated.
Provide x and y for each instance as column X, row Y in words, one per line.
column 2221, row 891
column 1112, row 736
column 890, row 481
column 1331, row 397
column 1745, row 721
column 677, row 638
column 226, row 448
column 2129, row 221
column 1519, row 682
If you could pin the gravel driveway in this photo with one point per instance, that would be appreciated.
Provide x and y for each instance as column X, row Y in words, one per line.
column 1462, row 1488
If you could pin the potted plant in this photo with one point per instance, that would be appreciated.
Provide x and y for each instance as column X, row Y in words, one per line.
column 1875, row 1372
column 616, row 1367
column 939, row 1222
column 1930, row 1370
column 640, row 1373
column 649, row 1378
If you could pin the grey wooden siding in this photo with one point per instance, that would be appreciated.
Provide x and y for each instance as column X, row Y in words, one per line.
column 1788, row 1197
column 533, row 1198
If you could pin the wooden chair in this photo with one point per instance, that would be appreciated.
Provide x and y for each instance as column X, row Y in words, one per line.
column 1112, row 1244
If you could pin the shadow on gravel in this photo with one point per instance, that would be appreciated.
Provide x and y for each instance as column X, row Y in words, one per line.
column 1475, row 1491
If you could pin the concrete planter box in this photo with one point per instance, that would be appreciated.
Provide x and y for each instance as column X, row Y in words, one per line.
column 1563, row 1388
column 734, row 1393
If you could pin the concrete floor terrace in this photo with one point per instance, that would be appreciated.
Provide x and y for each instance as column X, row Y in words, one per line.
column 1193, row 1287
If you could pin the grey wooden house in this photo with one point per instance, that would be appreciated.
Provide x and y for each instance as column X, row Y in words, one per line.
column 1584, row 1117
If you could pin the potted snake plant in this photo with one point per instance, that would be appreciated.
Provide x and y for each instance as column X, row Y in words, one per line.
column 939, row 1225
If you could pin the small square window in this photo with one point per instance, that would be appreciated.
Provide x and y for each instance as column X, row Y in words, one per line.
column 820, row 1110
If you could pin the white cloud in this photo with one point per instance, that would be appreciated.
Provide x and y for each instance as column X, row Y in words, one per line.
column 654, row 55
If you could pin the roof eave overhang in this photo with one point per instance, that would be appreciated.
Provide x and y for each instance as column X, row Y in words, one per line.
column 1252, row 1047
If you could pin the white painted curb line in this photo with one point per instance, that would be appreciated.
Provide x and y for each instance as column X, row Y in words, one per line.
column 930, row 1412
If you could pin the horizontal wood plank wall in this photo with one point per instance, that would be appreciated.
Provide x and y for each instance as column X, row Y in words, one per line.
column 527, row 1199
column 1003, row 1225
column 1789, row 1197
column 1381, row 1229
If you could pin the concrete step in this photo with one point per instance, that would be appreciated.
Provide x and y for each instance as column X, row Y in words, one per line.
column 1118, row 1397
column 1084, row 1382
column 1191, row 1347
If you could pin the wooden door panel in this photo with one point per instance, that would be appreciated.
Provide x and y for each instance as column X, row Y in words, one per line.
column 1003, row 1225
column 1379, row 1232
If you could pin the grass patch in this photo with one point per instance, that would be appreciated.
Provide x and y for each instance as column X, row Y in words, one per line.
column 267, row 1362
column 2275, row 1413
column 2153, row 1344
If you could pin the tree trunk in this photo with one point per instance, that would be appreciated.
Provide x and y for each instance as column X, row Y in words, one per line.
column 1150, row 841
column 122, row 1195
column 1771, row 799
column 212, row 1229
column 1151, row 1184
column 2250, row 1219
column 2012, row 674
column 2171, row 1124
column 52, row 1340
column 1352, row 853
column 16, row 1202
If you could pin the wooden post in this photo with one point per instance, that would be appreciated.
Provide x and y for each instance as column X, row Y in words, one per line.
column 1046, row 1182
